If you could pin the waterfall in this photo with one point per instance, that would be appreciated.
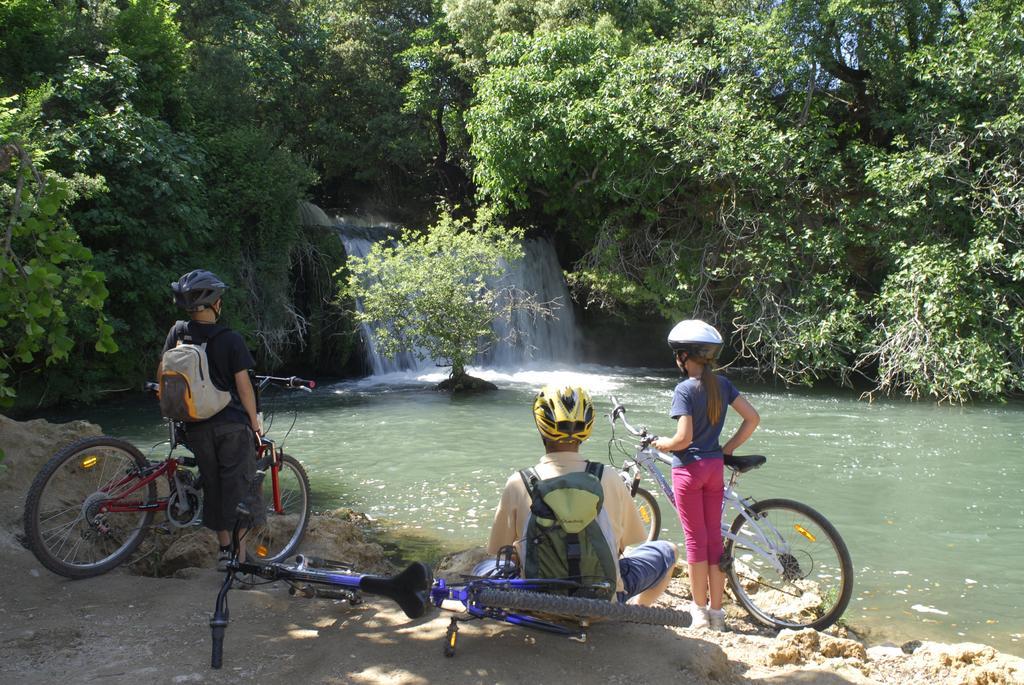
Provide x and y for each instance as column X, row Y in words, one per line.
column 357, row 241
column 527, row 338
column 523, row 340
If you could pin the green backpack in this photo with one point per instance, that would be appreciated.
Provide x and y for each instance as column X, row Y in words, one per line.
column 568, row 534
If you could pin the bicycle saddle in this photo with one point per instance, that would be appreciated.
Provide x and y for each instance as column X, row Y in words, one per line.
column 410, row 589
column 744, row 464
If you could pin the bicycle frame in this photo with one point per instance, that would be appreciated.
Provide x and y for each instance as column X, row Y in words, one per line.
column 168, row 467
column 268, row 455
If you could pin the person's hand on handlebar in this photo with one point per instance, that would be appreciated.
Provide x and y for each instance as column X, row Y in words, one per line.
column 661, row 444
column 257, row 426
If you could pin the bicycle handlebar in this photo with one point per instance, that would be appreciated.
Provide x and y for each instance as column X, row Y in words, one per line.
column 646, row 439
column 289, row 382
column 619, row 413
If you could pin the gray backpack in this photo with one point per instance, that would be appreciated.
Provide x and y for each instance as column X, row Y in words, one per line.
column 187, row 392
column 568, row 534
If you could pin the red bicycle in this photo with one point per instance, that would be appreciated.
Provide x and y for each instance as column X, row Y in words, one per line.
column 91, row 505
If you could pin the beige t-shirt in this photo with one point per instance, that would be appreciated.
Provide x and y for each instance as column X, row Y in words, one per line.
column 514, row 509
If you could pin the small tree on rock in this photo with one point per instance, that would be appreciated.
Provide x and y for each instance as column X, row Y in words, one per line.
column 437, row 293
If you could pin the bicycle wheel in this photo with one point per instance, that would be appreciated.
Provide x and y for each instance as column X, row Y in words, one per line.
column 650, row 513
column 279, row 536
column 816, row 580
column 579, row 607
column 64, row 525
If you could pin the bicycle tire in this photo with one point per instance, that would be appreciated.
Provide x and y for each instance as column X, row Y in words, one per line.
column 580, row 607
column 650, row 513
column 816, row 567
column 280, row 535
column 61, row 533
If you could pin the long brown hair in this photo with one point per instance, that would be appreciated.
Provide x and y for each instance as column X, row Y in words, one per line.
column 713, row 393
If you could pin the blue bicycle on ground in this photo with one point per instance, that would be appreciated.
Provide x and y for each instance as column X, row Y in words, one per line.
column 548, row 604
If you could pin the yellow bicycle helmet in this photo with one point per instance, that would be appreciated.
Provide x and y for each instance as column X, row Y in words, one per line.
column 563, row 414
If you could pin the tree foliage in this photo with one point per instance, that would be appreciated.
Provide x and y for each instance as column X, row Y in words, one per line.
column 791, row 172
column 46, row 276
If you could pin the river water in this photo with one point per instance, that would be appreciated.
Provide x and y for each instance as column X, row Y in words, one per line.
column 928, row 498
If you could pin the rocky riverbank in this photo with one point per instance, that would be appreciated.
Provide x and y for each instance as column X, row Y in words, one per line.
column 128, row 626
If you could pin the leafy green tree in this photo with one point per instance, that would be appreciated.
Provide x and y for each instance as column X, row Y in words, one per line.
column 439, row 91
column 46, row 276
column 146, row 32
column 139, row 205
column 483, row 24
column 31, row 42
column 438, row 293
column 744, row 175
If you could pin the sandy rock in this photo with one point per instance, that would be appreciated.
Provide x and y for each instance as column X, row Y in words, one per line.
column 460, row 563
column 195, row 549
column 802, row 646
column 337, row 535
column 968, row 663
column 708, row 662
column 27, row 446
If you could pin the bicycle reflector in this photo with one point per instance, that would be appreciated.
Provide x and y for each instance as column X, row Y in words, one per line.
column 89, row 462
column 262, row 551
column 803, row 531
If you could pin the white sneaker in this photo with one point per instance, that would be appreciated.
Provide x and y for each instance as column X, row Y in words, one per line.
column 716, row 619
column 698, row 616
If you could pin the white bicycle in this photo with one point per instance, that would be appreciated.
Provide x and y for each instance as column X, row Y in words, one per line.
column 785, row 563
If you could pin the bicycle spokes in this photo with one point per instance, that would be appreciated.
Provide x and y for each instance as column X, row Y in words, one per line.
column 805, row 578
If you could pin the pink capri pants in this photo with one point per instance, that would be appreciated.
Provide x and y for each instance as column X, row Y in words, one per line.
column 698, row 489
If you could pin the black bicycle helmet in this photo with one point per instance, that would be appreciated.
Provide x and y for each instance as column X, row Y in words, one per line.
column 698, row 339
column 197, row 290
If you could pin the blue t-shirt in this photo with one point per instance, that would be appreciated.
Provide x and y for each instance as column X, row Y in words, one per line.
column 689, row 399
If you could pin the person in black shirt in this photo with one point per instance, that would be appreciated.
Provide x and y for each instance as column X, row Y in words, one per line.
column 224, row 444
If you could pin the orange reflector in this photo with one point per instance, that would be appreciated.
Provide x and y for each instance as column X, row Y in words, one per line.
column 803, row 531
column 262, row 551
column 89, row 462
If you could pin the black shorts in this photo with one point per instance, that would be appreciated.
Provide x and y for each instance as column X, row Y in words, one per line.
column 226, row 454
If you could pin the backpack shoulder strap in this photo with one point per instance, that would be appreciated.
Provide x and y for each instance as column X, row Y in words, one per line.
column 179, row 331
column 596, row 469
column 530, row 479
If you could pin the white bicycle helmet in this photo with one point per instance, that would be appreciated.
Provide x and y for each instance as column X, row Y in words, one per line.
column 698, row 339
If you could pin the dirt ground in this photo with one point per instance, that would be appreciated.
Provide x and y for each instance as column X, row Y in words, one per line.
column 127, row 628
